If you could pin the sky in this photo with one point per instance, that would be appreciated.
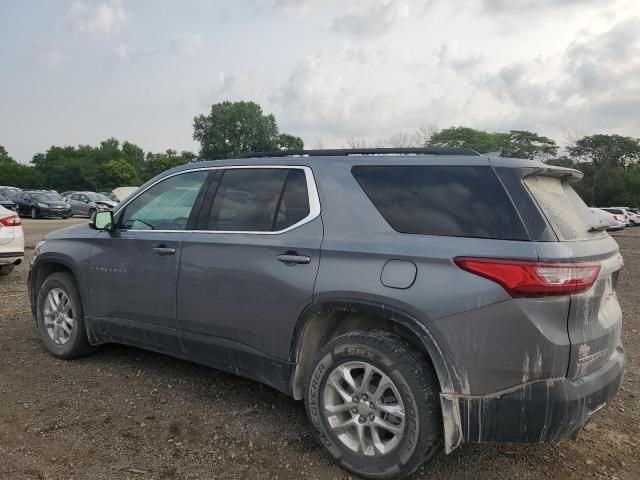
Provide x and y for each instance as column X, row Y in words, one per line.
column 78, row 72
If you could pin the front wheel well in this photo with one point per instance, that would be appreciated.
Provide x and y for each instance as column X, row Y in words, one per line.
column 40, row 274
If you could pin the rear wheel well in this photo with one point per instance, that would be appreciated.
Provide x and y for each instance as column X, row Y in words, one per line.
column 321, row 327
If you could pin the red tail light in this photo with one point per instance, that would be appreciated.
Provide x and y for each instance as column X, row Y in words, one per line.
column 617, row 218
column 533, row 279
column 11, row 221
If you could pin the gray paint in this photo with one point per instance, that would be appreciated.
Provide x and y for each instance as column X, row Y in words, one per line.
column 225, row 299
column 398, row 274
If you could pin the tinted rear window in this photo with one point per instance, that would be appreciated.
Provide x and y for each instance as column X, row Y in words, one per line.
column 457, row 201
column 568, row 215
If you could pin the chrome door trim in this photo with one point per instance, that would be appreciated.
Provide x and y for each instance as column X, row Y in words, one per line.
column 312, row 192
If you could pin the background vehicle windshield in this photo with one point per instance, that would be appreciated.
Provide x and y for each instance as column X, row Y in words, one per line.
column 97, row 197
column 46, row 197
column 3, row 198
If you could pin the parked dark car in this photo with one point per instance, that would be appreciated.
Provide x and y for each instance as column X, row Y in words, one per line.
column 40, row 203
column 9, row 192
column 8, row 204
column 413, row 301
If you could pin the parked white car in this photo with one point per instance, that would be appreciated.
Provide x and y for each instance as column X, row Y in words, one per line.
column 623, row 213
column 611, row 220
column 634, row 218
column 11, row 241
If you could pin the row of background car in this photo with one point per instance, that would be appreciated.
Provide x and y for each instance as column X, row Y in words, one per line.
column 617, row 218
column 49, row 203
column 42, row 203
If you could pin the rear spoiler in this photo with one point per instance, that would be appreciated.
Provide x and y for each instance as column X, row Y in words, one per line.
column 569, row 174
column 535, row 168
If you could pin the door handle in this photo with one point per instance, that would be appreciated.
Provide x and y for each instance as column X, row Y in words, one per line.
column 162, row 250
column 293, row 258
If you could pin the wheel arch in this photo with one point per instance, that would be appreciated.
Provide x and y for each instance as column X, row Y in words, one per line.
column 44, row 266
column 324, row 320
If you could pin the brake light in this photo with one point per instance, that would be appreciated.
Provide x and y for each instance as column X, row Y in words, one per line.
column 616, row 218
column 533, row 279
column 11, row 221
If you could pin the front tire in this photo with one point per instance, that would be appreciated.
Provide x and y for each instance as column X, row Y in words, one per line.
column 34, row 213
column 371, row 398
column 91, row 212
column 60, row 317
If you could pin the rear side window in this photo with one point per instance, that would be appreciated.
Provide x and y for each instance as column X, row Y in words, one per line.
column 568, row 215
column 461, row 201
column 259, row 200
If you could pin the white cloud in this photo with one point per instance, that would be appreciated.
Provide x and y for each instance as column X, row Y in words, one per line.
column 51, row 56
column 592, row 85
column 188, row 43
column 98, row 18
column 294, row 8
column 122, row 51
column 377, row 19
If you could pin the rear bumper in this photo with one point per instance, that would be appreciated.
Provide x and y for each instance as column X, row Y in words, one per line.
column 540, row 411
column 10, row 258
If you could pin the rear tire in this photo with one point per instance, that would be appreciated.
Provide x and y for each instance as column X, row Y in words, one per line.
column 371, row 432
column 6, row 269
column 58, row 302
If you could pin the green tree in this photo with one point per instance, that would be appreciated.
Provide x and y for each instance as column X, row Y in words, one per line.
column 606, row 150
column 604, row 159
column 464, row 137
column 134, row 155
column 515, row 143
column 16, row 174
column 232, row 128
column 289, row 142
column 118, row 173
column 156, row 163
column 525, row 144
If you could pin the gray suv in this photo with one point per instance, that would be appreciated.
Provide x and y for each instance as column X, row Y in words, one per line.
column 413, row 298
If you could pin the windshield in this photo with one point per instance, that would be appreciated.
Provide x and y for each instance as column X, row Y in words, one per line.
column 3, row 198
column 97, row 197
column 46, row 197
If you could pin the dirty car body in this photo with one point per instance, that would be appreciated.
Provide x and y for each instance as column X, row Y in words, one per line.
column 489, row 267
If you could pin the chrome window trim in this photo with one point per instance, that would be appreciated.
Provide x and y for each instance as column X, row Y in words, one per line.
column 312, row 193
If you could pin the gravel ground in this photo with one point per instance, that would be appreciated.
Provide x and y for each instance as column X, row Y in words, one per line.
column 127, row 413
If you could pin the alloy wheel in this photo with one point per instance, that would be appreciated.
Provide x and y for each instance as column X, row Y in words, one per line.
column 364, row 409
column 58, row 316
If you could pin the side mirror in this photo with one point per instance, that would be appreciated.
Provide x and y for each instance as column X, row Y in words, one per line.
column 102, row 221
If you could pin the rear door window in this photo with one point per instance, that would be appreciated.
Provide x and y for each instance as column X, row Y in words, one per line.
column 568, row 215
column 259, row 200
column 463, row 201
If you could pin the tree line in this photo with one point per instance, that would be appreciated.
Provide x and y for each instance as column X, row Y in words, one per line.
column 610, row 163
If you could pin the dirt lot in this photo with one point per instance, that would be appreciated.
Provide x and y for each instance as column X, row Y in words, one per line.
column 127, row 413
